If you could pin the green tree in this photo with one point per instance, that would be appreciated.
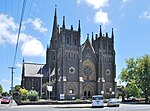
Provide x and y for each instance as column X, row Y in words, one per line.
column 1, row 89
column 132, row 90
column 17, row 87
column 137, row 72
column 5, row 94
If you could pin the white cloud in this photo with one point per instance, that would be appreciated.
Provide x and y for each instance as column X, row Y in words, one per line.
column 4, row 81
column 101, row 17
column 145, row 15
column 124, row 1
column 7, row 29
column 78, row 2
column 37, row 24
column 8, row 35
column 97, row 3
column 32, row 48
column 19, row 65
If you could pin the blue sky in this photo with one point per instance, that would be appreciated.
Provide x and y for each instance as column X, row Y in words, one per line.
column 129, row 18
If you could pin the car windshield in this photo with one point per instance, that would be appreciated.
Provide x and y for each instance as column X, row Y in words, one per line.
column 97, row 98
column 112, row 99
column 6, row 98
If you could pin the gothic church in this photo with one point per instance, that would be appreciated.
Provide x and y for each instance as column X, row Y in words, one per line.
column 72, row 69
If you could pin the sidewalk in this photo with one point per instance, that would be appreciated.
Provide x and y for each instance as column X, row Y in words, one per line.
column 72, row 106
column 13, row 103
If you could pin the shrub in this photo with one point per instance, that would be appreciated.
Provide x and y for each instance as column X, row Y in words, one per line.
column 23, row 93
column 33, row 95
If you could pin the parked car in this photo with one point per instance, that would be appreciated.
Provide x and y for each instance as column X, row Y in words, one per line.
column 113, row 102
column 98, row 101
column 5, row 100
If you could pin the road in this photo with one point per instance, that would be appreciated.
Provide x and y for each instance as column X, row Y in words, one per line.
column 123, row 107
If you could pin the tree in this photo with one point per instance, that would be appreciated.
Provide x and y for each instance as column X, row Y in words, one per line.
column 5, row 94
column 1, row 89
column 132, row 90
column 17, row 87
column 137, row 72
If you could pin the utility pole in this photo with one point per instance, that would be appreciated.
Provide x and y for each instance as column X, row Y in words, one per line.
column 12, row 78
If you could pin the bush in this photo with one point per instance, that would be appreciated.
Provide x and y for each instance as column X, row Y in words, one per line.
column 33, row 95
column 23, row 93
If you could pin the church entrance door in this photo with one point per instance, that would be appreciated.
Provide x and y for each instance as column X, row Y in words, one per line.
column 88, row 91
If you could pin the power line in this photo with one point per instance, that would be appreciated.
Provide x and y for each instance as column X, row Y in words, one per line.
column 12, row 68
column 22, row 14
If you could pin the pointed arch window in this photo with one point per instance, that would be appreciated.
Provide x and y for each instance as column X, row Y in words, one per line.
column 67, row 40
column 75, row 42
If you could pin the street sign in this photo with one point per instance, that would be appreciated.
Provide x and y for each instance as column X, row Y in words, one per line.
column 62, row 96
column 49, row 88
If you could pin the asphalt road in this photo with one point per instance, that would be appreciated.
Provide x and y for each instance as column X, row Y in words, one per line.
column 123, row 107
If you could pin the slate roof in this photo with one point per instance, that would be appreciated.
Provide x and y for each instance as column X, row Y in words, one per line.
column 32, row 69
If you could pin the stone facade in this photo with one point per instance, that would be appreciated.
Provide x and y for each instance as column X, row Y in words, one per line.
column 76, row 70
column 81, row 70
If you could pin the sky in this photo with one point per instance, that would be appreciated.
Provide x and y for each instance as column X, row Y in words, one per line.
column 129, row 18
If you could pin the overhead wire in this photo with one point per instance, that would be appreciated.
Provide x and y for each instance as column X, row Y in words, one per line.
column 22, row 14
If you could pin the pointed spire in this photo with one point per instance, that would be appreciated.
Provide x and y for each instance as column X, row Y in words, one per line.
column 79, row 29
column 71, row 27
column 106, row 34
column 87, row 36
column 96, row 36
column 112, row 35
column 100, row 34
column 63, row 22
column 92, row 38
column 55, row 21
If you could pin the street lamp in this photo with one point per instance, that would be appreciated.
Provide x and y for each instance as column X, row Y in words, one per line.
column 113, row 94
column 102, row 92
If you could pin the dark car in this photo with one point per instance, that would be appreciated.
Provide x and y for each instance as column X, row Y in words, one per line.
column 5, row 100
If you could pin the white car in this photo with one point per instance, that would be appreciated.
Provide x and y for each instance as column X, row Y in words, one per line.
column 113, row 102
column 98, row 101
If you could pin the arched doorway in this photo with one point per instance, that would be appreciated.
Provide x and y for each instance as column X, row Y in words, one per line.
column 88, row 91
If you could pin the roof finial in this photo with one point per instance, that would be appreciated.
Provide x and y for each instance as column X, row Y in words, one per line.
column 106, row 34
column 87, row 36
column 100, row 34
column 63, row 22
column 92, row 38
column 79, row 29
column 23, row 60
column 112, row 35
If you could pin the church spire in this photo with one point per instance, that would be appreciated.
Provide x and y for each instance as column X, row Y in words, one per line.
column 79, row 29
column 63, row 22
column 100, row 34
column 55, row 22
column 112, row 35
